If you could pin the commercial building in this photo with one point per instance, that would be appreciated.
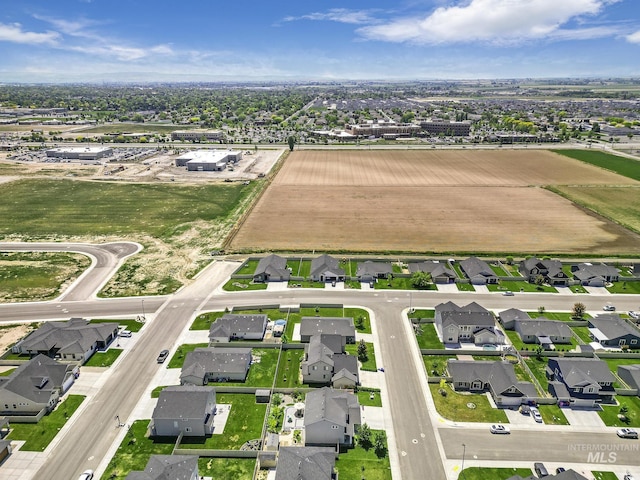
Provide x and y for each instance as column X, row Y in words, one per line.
column 456, row 129
column 383, row 128
column 80, row 153
column 208, row 160
column 197, row 135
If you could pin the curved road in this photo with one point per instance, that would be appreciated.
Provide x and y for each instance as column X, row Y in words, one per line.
column 417, row 441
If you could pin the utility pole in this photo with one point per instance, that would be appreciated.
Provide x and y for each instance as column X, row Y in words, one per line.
column 464, row 449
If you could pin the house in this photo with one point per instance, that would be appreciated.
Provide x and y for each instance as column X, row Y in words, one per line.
column 35, row 387
column 550, row 270
column 439, row 272
column 544, row 332
column 165, row 467
column 204, row 365
column 369, row 271
column 609, row 330
column 74, row 340
column 272, row 268
column 478, row 271
column 582, row 382
column 186, row 409
column 325, row 362
column 495, row 377
column 342, row 326
column 233, row 326
column 508, row 317
column 326, row 268
column 630, row 374
column 471, row 323
column 308, row 463
column 595, row 275
column 330, row 417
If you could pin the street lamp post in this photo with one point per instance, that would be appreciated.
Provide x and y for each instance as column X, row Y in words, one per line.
column 464, row 449
column 143, row 316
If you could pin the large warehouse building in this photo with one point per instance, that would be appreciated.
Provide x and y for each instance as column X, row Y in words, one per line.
column 208, row 160
column 80, row 153
column 197, row 135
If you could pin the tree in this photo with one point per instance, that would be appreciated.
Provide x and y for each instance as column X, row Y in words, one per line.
column 539, row 280
column 363, row 355
column 291, row 141
column 380, row 443
column 420, row 279
column 364, row 436
column 578, row 310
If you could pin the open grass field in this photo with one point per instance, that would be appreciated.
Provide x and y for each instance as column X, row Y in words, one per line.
column 38, row 275
column 480, row 201
column 132, row 128
column 622, row 165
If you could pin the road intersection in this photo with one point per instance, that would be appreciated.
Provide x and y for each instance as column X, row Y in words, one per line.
column 422, row 445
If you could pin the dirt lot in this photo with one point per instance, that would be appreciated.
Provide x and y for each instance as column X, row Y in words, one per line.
column 445, row 201
column 10, row 334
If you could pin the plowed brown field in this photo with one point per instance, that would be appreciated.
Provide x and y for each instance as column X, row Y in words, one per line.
column 422, row 201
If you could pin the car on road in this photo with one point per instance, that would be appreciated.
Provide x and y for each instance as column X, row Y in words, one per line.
column 560, row 470
column 609, row 308
column 508, row 293
column 86, row 475
column 535, row 413
column 628, row 476
column 634, row 315
column 163, row 356
column 499, row 429
column 627, row 433
column 540, row 470
column 125, row 333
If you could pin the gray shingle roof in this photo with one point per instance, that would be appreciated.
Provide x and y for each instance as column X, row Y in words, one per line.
column 434, row 268
column 37, row 379
column 373, row 268
column 167, row 467
column 186, row 401
column 238, row 323
column 499, row 375
column 543, row 328
column 583, row 371
column 326, row 404
column 218, row 360
column 305, row 463
column 473, row 266
column 326, row 264
column 272, row 265
column 471, row 314
column 342, row 326
column 74, row 336
column 612, row 326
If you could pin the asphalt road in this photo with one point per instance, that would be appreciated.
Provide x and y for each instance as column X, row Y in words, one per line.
column 106, row 258
column 416, row 439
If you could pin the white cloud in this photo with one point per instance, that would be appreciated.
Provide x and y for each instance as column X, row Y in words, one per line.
column 634, row 37
column 341, row 15
column 489, row 21
column 14, row 33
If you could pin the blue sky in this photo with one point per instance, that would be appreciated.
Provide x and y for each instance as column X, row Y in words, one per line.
column 209, row 40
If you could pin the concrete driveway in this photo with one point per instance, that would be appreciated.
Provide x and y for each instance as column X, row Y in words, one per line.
column 583, row 418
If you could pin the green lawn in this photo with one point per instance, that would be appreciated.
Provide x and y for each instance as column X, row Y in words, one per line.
column 614, row 363
column 244, row 423
column 104, row 359
column 517, row 286
column 248, row 268
column 135, row 450
column 300, row 267
column 427, row 337
column 421, row 313
column 609, row 414
column 455, row 406
column 538, row 368
column 400, row 283
column 204, row 321
column 261, row 374
column 131, row 325
column 227, row 468
column 515, row 339
column 552, row 415
column 465, row 287
column 181, row 353
column 355, row 313
column 370, row 363
column 8, row 372
column 289, row 369
column 583, row 333
column 625, row 287
column 37, row 436
column 604, row 475
column 34, row 276
column 357, row 463
column 364, row 397
column 437, row 363
column 561, row 316
column 480, row 473
column 242, row 284
column 40, row 207
column 620, row 165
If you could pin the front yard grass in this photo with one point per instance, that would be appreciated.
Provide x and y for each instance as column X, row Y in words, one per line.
column 244, row 423
column 465, row 287
column 400, row 283
column 227, row 468
column 37, row 436
column 625, row 287
column 104, row 359
column 357, row 463
column 427, row 336
column 368, row 365
column 482, row 473
column 604, row 475
column 181, row 353
column 552, row 415
column 135, row 450
column 609, row 413
column 204, row 320
column 455, row 406
column 242, row 284
column 518, row 286
column 364, row 397
column 422, row 313
column 289, row 369
column 131, row 325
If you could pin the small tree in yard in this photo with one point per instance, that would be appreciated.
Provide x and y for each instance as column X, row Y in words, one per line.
column 539, row 281
column 363, row 355
column 364, row 436
column 420, row 279
column 380, row 444
column 578, row 310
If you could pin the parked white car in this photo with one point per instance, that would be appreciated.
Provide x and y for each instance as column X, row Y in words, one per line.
column 535, row 413
column 499, row 429
column 627, row 433
column 609, row 308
